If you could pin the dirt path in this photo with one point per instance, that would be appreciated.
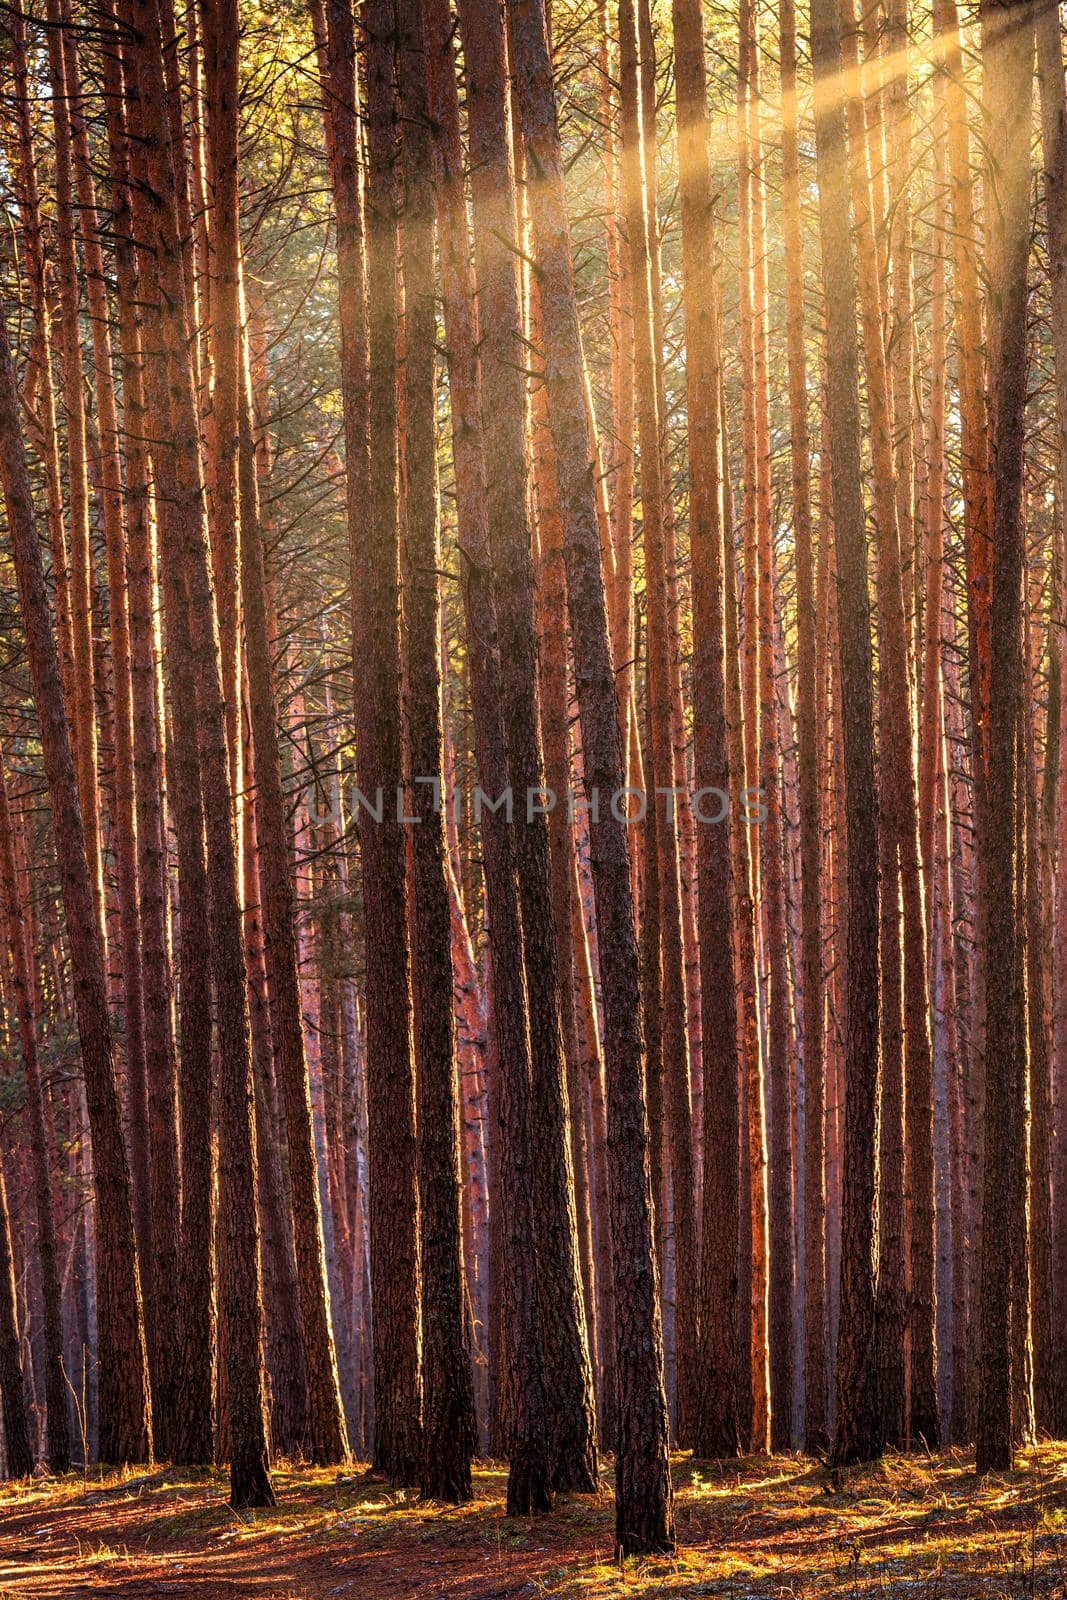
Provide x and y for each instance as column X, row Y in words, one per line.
column 764, row 1530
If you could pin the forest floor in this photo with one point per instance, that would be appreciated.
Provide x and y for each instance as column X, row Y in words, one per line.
column 766, row 1529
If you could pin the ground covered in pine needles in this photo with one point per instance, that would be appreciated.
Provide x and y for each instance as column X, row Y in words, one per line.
column 762, row 1529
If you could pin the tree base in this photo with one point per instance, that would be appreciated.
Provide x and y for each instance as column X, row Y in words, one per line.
column 250, row 1487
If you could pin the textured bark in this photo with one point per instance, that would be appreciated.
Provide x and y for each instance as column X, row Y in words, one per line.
column 19, row 953
column 857, row 1435
column 1054, row 149
column 144, row 392
column 449, row 1434
column 39, row 366
column 126, row 1429
column 717, row 1431
column 327, row 1438
column 83, row 726
column 144, row 962
column 572, row 1419
column 394, row 1215
column 814, row 1223
column 461, row 329
column 899, row 799
column 18, row 1446
column 531, row 1453
column 283, row 1334
column 220, row 52
column 186, row 552
column 654, row 496
column 644, row 1501
column 1008, row 47
column 552, row 683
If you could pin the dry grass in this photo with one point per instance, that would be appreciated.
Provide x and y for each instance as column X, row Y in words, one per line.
column 762, row 1529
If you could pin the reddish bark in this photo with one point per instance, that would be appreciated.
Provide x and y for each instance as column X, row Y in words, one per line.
column 448, row 1395
column 858, row 1434
column 644, row 1508
column 125, row 1418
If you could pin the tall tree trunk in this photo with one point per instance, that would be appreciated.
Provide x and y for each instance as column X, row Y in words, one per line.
column 814, row 1222
column 1054, row 148
column 84, row 722
column 654, row 533
column 1007, row 52
column 899, row 799
column 18, row 1445
column 522, row 1397
column 394, row 1206
column 327, row 1433
column 125, row 1415
column 20, row 956
column 717, row 1431
column 449, row 1431
column 531, row 1458
column 186, row 552
column 858, row 1434
column 643, row 1495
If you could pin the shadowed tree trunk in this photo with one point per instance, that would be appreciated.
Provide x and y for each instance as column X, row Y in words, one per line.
column 449, row 1430
column 125, row 1415
column 717, row 1429
column 19, row 954
column 394, row 1206
column 13, row 1389
column 1054, row 148
column 643, row 1496
column 1008, row 59
column 144, row 380
column 858, row 1433
column 814, row 1221
column 186, row 551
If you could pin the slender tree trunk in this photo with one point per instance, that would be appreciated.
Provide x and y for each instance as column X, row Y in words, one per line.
column 717, row 1431
column 84, row 723
column 644, row 1500
column 672, row 951
column 186, row 550
column 1008, row 50
column 327, row 1433
column 20, row 956
column 18, row 1445
column 815, row 1434
column 858, row 1434
column 1054, row 148
column 40, row 368
column 144, row 391
column 394, row 1214
column 449, row 1430
column 126, row 1428
column 531, row 1454
column 899, row 799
